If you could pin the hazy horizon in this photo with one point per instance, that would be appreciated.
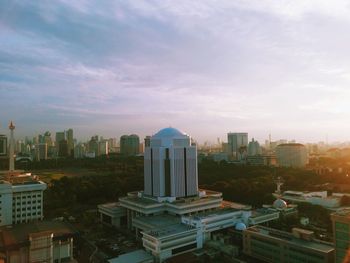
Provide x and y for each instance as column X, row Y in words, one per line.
column 204, row 67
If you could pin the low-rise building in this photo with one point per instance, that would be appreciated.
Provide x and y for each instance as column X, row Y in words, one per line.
column 44, row 241
column 21, row 199
column 315, row 198
column 341, row 234
column 271, row 245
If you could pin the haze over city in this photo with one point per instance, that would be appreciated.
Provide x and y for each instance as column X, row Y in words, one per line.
column 208, row 67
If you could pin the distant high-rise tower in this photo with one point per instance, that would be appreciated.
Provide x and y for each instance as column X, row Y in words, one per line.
column 237, row 143
column 63, row 148
column 12, row 147
column 70, row 142
column 170, row 165
column 130, row 145
column 60, row 136
column 254, row 148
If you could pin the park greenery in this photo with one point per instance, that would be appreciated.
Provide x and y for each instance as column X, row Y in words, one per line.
column 85, row 183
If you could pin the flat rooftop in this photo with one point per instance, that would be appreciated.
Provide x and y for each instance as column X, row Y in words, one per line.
column 137, row 256
column 139, row 200
column 235, row 205
column 19, row 234
column 342, row 213
column 170, row 230
column 313, row 244
column 262, row 211
column 213, row 213
column 158, row 221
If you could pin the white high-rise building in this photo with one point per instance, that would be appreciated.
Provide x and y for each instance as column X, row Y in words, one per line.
column 170, row 165
column 237, row 143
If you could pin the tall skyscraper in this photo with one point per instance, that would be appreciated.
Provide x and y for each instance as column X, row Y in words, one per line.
column 60, row 136
column 93, row 145
column 237, row 144
column 41, row 151
column 63, row 148
column 170, row 165
column 70, row 142
column 130, row 145
column 48, row 139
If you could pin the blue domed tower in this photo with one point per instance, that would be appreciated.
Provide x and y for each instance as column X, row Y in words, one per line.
column 170, row 165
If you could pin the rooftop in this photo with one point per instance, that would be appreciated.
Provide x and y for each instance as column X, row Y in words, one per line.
column 158, row 221
column 313, row 244
column 18, row 234
column 136, row 256
column 342, row 213
column 170, row 230
column 213, row 213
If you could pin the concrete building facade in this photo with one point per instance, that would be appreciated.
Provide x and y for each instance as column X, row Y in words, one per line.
column 237, row 144
column 271, row 245
column 291, row 155
column 170, row 167
column 129, row 145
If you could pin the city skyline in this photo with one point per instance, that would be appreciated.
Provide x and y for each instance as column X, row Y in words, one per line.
column 207, row 68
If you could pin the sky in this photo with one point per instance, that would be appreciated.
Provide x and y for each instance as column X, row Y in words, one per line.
column 205, row 67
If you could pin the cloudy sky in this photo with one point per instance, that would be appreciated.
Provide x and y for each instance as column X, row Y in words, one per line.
column 206, row 67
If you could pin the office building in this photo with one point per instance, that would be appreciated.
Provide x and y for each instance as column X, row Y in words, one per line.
column 172, row 216
column 22, row 199
column 70, row 142
column 341, row 235
column 47, row 139
column 63, row 149
column 93, row 146
column 60, row 136
column 112, row 145
column 80, row 150
column 3, row 145
column 237, row 145
column 41, row 151
column 103, row 147
column 170, row 167
column 129, row 145
column 291, row 155
column 274, row 246
column 254, row 148
column 44, row 241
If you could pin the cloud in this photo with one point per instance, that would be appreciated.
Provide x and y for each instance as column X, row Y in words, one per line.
column 205, row 66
